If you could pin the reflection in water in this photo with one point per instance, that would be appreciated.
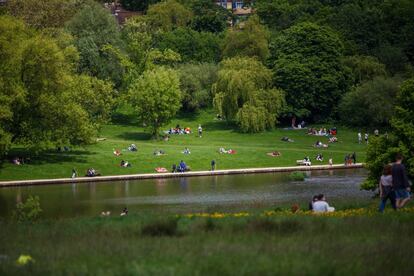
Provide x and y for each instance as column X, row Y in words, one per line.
column 189, row 193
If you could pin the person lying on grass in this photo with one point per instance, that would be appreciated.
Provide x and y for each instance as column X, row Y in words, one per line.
column 319, row 144
column 274, row 153
column 159, row 152
column 117, row 152
column 230, row 151
column 287, row 139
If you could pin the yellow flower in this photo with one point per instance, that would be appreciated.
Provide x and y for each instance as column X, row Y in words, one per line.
column 24, row 259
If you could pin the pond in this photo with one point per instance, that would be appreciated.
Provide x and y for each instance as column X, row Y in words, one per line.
column 187, row 194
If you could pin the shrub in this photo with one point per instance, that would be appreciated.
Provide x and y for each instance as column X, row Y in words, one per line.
column 28, row 211
column 297, row 176
column 166, row 227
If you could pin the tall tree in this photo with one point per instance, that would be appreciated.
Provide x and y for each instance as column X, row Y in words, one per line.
column 244, row 93
column 156, row 97
column 168, row 15
column 370, row 104
column 96, row 36
column 45, row 13
column 209, row 17
column 306, row 61
column 249, row 39
column 191, row 45
column 382, row 150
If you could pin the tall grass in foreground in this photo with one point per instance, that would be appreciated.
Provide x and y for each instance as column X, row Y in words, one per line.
column 286, row 243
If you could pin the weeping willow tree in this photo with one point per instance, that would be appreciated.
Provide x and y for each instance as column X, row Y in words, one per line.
column 244, row 93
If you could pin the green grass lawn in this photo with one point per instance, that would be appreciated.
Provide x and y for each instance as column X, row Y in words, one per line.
column 164, row 244
column 251, row 149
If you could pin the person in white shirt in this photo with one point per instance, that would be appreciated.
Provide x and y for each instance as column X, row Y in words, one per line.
column 321, row 206
column 359, row 138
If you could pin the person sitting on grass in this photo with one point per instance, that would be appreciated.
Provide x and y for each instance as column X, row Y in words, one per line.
column 314, row 199
column 333, row 139
column 321, row 206
column 124, row 212
column 125, row 164
column 91, row 172
column 222, row 150
column 117, row 152
column 16, row 161
column 159, row 152
column 182, row 167
column 307, row 161
column 186, row 151
column 132, row 147
column 319, row 157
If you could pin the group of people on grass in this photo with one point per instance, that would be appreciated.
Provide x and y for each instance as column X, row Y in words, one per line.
column 179, row 130
column 394, row 185
column 322, row 131
column 350, row 159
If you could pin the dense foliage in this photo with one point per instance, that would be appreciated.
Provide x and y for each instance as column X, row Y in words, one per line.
column 333, row 60
column 382, row 150
column 156, row 97
column 244, row 92
column 306, row 61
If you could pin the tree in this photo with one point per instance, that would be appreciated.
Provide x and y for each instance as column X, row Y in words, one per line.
column 382, row 150
column 243, row 92
column 371, row 104
column 364, row 68
column 209, row 17
column 156, row 97
column 191, row 45
column 38, row 107
column 134, row 5
column 45, row 13
column 306, row 61
column 97, row 97
column 168, row 15
column 250, row 40
column 195, row 82
column 97, row 38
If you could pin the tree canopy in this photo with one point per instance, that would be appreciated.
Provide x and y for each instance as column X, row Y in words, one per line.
column 244, row 92
column 306, row 61
column 155, row 95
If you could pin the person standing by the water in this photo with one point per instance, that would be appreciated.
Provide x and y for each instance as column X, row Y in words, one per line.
column 74, row 173
column 213, row 165
column 366, row 138
column 400, row 182
column 353, row 157
column 385, row 188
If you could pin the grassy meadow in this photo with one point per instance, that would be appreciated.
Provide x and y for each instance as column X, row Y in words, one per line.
column 251, row 149
column 262, row 242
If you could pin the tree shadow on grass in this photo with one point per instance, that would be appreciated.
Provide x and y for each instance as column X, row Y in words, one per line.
column 123, row 119
column 219, row 125
column 135, row 136
column 49, row 156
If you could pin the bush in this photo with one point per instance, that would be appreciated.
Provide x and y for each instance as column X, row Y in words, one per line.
column 159, row 228
column 28, row 211
column 297, row 176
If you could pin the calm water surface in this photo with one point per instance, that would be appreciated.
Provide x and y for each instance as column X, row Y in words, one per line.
column 192, row 194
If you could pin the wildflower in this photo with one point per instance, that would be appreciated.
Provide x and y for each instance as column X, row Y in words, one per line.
column 24, row 260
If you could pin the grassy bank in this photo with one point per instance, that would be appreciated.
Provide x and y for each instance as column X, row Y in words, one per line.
column 357, row 241
column 251, row 149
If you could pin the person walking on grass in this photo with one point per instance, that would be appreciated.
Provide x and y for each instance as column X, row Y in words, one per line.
column 200, row 131
column 385, row 188
column 400, row 182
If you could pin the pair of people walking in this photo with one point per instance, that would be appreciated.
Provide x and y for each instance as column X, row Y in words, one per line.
column 394, row 185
